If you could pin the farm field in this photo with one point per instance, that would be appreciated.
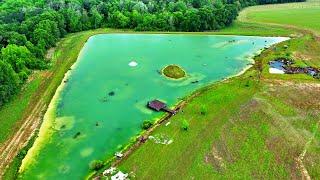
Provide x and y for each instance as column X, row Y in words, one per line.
column 301, row 15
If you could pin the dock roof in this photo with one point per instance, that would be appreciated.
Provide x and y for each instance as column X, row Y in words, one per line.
column 156, row 105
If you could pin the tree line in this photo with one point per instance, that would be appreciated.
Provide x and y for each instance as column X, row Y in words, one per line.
column 29, row 27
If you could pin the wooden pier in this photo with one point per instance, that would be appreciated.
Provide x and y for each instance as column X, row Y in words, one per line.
column 160, row 106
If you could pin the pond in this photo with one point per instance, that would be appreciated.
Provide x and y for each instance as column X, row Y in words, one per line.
column 101, row 104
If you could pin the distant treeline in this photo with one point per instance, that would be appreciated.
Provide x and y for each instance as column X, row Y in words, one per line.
column 29, row 27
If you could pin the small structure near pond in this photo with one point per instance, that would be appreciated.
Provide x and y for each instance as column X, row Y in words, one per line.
column 285, row 66
column 119, row 155
column 160, row 106
column 109, row 171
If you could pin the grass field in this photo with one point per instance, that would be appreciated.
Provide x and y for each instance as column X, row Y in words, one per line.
column 302, row 15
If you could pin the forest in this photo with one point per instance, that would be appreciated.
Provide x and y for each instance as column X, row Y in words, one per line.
column 29, row 27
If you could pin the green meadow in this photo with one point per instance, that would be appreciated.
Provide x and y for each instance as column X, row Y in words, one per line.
column 301, row 15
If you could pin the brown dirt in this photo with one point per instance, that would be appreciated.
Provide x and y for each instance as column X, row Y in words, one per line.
column 214, row 158
column 13, row 145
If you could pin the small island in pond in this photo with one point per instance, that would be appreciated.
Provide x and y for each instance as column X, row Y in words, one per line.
column 173, row 71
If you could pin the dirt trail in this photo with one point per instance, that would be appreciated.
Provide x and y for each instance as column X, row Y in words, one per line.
column 12, row 146
column 292, row 134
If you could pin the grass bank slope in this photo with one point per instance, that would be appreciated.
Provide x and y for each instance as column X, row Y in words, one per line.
column 302, row 15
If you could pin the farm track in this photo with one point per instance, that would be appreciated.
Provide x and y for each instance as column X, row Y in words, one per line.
column 13, row 145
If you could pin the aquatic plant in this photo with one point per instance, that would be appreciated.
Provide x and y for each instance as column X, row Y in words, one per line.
column 96, row 165
column 146, row 124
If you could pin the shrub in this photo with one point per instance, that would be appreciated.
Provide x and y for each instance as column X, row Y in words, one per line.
column 203, row 110
column 96, row 165
column 146, row 124
column 185, row 125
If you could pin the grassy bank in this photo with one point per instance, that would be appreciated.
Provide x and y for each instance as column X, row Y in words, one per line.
column 301, row 15
column 13, row 111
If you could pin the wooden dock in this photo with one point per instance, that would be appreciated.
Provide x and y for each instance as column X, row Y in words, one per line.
column 158, row 105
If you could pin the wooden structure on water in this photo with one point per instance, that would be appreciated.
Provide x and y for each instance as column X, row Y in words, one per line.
column 160, row 106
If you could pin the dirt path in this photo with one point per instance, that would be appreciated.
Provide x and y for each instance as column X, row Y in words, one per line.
column 12, row 146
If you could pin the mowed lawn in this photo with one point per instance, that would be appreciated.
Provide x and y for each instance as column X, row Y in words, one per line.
column 302, row 15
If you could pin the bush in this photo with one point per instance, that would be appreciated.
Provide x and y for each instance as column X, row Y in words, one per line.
column 146, row 124
column 96, row 165
column 203, row 110
column 185, row 125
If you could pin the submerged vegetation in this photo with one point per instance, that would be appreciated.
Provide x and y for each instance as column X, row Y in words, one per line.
column 173, row 71
column 96, row 165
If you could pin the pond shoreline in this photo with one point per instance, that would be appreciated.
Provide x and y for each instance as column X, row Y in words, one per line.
column 46, row 130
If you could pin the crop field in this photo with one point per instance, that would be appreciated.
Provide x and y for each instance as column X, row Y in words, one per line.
column 302, row 15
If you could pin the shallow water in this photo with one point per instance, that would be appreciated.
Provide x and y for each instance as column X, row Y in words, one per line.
column 103, row 102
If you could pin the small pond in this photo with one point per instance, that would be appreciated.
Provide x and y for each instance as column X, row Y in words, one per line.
column 102, row 102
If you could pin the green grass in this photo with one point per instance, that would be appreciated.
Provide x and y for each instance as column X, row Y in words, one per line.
column 302, row 15
column 13, row 111
column 255, row 29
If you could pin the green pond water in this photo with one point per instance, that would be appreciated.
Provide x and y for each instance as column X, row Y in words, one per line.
column 103, row 102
